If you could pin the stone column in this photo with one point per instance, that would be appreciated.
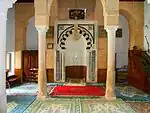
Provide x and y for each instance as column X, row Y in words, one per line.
column 42, row 78
column 110, row 80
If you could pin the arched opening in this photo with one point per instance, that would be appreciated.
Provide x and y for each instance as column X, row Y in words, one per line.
column 30, row 54
column 122, row 46
column 131, row 24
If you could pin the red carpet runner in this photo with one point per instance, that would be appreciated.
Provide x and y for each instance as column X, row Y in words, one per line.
column 78, row 91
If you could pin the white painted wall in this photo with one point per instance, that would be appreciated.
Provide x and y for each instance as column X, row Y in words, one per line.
column 122, row 44
column 147, row 25
column 75, row 53
column 10, row 37
column 3, row 17
column 31, row 35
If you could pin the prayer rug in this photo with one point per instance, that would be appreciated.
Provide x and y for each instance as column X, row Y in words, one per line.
column 25, row 89
column 77, row 105
column 104, row 106
column 78, row 91
column 17, row 104
column 129, row 93
column 75, row 82
column 52, row 106
column 28, row 89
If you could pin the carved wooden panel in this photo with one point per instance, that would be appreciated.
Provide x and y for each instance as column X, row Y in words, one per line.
column 30, row 60
column 50, row 75
column 77, row 72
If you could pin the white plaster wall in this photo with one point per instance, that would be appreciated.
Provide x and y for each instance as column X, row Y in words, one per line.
column 10, row 37
column 122, row 44
column 3, row 101
column 75, row 53
column 31, row 35
column 147, row 25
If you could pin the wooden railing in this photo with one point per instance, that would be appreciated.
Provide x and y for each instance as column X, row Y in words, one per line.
column 139, row 69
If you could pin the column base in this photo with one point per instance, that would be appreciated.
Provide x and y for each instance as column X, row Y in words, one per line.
column 110, row 95
column 41, row 97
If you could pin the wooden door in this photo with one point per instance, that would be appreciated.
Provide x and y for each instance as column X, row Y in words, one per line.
column 26, row 65
column 30, row 60
column 34, row 59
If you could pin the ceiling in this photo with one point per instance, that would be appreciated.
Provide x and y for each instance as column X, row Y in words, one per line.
column 31, row 1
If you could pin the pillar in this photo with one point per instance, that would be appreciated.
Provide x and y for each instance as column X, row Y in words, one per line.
column 42, row 79
column 110, row 80
column 3, row 103
column 4, row 5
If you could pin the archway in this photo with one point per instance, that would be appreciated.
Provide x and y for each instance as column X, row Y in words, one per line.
column 132, row 24
column 122, row 46
column 30, row 54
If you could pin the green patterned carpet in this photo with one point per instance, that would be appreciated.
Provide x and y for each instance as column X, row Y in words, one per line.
column 126, row 93
column 20, row 100
column 78, row 105
column 18, row 104
column 28, row 89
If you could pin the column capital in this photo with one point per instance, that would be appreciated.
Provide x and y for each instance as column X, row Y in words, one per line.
column 41, row 29
column 111, row 28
